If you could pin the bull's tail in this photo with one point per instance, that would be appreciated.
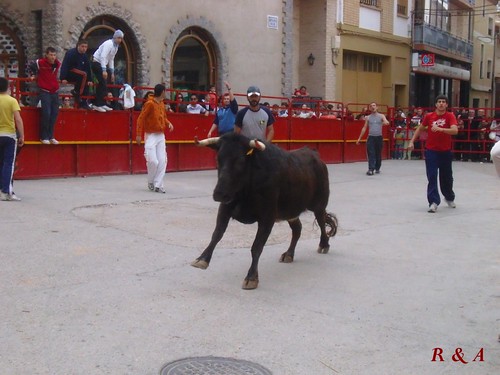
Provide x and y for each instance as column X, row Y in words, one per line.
column 331, row 224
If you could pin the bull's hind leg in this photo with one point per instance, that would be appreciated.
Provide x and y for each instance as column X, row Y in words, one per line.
column 296, row 226
column 325, row 220
column 223, row 217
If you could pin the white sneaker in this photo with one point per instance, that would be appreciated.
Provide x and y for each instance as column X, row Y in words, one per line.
column 98, row 109
column 14, row 197
column 433, row 208
column 4, row 196
column 107, row 108
column 54, row 141
column 45, row 141
column 451, row 204
column 151, row 186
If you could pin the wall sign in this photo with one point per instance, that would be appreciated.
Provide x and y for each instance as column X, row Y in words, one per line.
column 272, row 22
column 427, row 59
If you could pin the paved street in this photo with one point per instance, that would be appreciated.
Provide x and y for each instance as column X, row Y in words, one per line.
column 95, row 278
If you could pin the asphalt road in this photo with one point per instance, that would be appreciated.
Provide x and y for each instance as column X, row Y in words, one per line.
column 95, row 278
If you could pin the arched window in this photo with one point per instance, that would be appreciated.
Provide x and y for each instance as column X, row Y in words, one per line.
column 102, row 28
column 194, row 61
column 12, row 58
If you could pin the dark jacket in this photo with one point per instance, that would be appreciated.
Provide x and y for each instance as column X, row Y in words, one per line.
column 74, row 60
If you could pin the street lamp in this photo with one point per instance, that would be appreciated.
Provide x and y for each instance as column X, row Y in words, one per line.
column 310, row 59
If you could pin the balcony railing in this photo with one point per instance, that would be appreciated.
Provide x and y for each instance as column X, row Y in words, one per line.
column 437, row 38
column 372, row 3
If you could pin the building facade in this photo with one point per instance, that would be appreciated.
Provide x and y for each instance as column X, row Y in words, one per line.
column 375, row 50
column 394, row 52
column 482, row 93
column 266, row 43
column 172, row 42
column 442, row 36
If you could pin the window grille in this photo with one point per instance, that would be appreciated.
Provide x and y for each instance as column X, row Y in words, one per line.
column 372, row 3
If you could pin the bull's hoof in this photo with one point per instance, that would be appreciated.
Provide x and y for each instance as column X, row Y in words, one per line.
column 286, row 258
column 250, row 284
column 323, row 250
column 200, row 263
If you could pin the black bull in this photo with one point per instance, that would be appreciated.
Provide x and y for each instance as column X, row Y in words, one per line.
column 259, row 182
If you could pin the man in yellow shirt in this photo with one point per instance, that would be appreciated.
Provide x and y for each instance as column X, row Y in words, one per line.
column 10, row 120
column 153, row 121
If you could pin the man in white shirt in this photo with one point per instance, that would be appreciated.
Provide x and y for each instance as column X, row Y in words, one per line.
column 102, row 61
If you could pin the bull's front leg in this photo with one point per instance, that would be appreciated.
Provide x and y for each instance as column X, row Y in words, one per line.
column 223, row 216
column 263, row 232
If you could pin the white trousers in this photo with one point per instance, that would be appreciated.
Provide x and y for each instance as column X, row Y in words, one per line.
column 155, row 153
column 495, row 156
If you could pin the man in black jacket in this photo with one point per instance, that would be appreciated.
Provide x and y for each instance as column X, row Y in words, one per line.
column 76, row 68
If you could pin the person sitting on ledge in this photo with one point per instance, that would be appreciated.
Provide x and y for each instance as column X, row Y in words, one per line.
column 305, row 112
column 301, row 93
column 194, row 107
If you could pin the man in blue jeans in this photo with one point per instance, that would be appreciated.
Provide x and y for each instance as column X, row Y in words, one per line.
column 441, row 126
column 47, row 71
column 10, row 121
column 375, row 141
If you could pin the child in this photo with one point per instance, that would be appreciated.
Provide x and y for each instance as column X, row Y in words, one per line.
column 399, row 140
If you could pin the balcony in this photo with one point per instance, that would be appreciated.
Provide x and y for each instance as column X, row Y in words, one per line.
column 449, row 44
column 371, row 3
column 464, row 3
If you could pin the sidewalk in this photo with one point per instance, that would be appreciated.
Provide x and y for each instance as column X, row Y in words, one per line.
column 95, row 278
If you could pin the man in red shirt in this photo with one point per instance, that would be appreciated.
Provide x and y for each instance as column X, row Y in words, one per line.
column 47, row 71
column 441, row 125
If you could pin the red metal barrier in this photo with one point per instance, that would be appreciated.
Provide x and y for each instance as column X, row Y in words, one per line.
column 325, row 135
column 94, row 143
column 472, row 141
column 282, row 132
column 189, row 156
column 183, row 155
column 91, row 143
column 353, row 152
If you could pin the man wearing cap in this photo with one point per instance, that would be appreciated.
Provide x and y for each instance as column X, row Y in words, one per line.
column 255, row 121
column 104, row 59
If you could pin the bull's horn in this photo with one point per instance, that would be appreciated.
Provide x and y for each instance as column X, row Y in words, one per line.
column 257, row 144
column 206, row 142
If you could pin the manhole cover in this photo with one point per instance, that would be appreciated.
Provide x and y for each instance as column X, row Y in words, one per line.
column 213, row 366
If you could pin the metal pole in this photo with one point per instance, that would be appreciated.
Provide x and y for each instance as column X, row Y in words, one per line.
column 494, row 75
